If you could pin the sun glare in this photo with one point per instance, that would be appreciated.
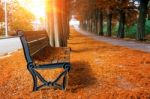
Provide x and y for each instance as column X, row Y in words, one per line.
column 37, row 7
column 74, row 22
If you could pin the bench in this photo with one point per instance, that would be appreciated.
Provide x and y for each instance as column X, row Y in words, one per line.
column 37, row 45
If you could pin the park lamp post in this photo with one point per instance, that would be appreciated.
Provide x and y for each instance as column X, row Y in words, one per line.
column 6, row 19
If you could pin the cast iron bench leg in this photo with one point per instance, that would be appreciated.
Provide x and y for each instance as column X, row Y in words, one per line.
column 33, row 76
column 36, row 75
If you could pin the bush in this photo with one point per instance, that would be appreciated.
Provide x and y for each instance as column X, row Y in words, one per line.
column 130, row 31
column 115, row 29
column 105, row 27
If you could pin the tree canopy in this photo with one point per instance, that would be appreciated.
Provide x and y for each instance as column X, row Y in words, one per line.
column 95, row 14
column 19, row 17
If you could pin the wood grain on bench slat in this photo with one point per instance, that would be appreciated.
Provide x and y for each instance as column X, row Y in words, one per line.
column 36, row 46
column 33, row 35
column 37, row 40
column 35, row 49
column 37, row 43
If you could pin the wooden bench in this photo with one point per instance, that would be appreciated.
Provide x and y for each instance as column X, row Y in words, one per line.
column 37, row 46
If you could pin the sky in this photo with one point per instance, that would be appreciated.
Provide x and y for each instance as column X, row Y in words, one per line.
column 37, row 7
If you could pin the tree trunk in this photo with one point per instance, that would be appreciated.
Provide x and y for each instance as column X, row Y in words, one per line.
column 96, row 21
column 81, row 23
column 141, row 20
column 50, row 22
column 56, row 25
column 109, row 25
column 64, row 23
column 121, row 24
column 57, row 22
column 93, row 25
column 101, row 23
column 148, row 15
column 67, row 32
column 90, row 25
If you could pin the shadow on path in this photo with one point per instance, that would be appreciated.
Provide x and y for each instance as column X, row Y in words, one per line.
column 80, row 76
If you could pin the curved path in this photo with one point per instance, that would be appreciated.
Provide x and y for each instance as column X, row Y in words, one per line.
column 130, row 44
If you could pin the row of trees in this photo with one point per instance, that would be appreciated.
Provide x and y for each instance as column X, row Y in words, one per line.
column 18, row 17
column 95, row 14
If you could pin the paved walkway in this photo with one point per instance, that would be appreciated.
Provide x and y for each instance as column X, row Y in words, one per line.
column 130, row 44
column 9, row 45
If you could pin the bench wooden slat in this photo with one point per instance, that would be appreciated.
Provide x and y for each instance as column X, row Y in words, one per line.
column 37, row 45
column 39, row 39
column 33, row 51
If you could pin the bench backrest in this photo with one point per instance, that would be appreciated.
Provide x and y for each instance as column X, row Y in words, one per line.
column 33, row 42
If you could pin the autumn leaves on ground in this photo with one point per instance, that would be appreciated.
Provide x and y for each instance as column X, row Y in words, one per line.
column 99, row 71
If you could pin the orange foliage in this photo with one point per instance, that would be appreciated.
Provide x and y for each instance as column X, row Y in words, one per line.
column 99, row 71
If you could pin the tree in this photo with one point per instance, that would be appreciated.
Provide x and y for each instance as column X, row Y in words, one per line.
column 122, row 6
column 100, row 24
column 142, row 19
column 1, row 19
column 109, row 22
column 107, row 6
column 19, row 17
column 1, row 13
column 101, row 6
column 57, row 19
column 121, row 29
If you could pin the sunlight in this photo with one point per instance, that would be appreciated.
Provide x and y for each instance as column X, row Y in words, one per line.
column 74, row 22
column 37, row 7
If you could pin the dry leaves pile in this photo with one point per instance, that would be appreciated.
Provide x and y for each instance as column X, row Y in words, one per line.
column 99, row 71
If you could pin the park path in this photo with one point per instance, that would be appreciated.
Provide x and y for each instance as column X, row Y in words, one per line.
column 99, row 71
column 8, row 45
column 126, row 43
column 105, row 71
